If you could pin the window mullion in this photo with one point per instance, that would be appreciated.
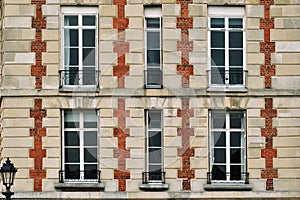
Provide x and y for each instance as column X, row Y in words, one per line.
column 81, row 144
column 227, row 146
column 80, row 49
column 226, row 51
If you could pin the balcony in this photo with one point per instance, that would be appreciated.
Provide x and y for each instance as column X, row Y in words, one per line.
column 153, row 78
column 74, row 78
column 153, row 181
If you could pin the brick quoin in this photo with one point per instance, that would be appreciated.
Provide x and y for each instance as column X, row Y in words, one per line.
column 184, row 23
column 121, row 174
column 38, row 46
column 121, row 47
column 185, row 152
column 38, row 153
column 267, row 47
column 268, row 153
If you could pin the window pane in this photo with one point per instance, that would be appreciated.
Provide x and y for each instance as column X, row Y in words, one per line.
column 218, row 75
column 154, row 119
column 154, row 155
column 235, row 23
column 235, row 39
column 71, row 38
column 88, row 57
column 236, row 76
column 235, row 139
column 88, row 20
column 154, row 138
column 153, row 23
column 90, row 138
column 71, row 21
column 89, row 38
column 90, row 172
column 71, row 56
column 217, row 23
column 219, row 155
column 72, row 171
column 71, row 120
column 153, row 57
column 72, row 155
column 71, row 138
column 235, row 172
column 218, row 119
column 236, row 57
column 90, row 120
column 155, row 168
column 236, row 119
column 217, row 57
column 235, row 155
column 218, row 172
column 154, row 76
column 90, row 154
column 217, row 39
column 219, row 139
column 71, row 78
column 89, row 78
column 153, row 40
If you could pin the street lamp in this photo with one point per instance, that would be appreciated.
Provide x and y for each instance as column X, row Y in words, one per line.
column 8, row 172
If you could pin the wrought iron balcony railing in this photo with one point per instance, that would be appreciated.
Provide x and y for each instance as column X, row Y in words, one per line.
column 74, row 77
column 154, row 177
column 153, row 78
column 218, row 76
column 79, row 176
column 228, row 177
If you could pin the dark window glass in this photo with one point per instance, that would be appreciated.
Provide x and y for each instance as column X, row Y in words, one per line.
column 235, row 172
column 72, row 171
column 71, row 56
column 89, row 78
column 236, row 120
column 90, row 154
column 90, row 120
column 153, row 23
column 217, row 23
column 236, row 57
column 153, row 57
column 155, row 168
column 71, row 120
column 90, row 138
column 220, row 155
column 218, row 172
column 89, row 20
column 154, row 76
column 154, row 138
column 217, row 57
column 71, row 21
column 71, row 38
column 235, row 39
column 235, row 155
column 219, row 120
column 236, row 75
column 71, row 138
column 154, row 119
column 88, row 57
column 235, row 139
column 89, row 38
column 235, row 23
column 217, row 39
column 218, row 75
column 90, row 171
column 153, row 40
column 154, row 155
column 219, row 139
column 72, row 155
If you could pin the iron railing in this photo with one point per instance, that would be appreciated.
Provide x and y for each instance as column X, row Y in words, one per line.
column 232, row 77
column 228, row 177
column 153, row 78
column 154, row 177
column 79, row 176
column 74, row 77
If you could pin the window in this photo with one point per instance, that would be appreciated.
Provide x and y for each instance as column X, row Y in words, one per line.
column 79, row 46
column 153, row 70
column 154, row 147
column 80, row 146
column 227, row 47
column 227, row 146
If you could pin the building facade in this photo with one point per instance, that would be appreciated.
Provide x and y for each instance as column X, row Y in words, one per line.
column 111, row 99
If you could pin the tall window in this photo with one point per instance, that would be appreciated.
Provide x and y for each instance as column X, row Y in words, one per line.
column 154, row 145
column 153, row 61
column 79, row 46
column 80, row 146
column 227, row 146
column 227, row 46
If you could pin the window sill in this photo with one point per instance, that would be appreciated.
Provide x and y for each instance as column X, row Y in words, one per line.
column 227, row 187
column 226, row 89
column 79, row 186
column 79, row 89
column 154, row 186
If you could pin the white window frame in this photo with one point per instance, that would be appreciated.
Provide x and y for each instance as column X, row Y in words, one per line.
column 148, row 129
column 81, row 130
column 228, row 147
column 79, row 11
column 152, row 12
column 227, row 12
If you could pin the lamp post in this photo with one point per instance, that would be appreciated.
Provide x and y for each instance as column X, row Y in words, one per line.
column 8, row 172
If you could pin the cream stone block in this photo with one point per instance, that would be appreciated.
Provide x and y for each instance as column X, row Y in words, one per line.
column 19, row 58
column 168, row 1
column 288, row 113
column 136, row 47
column 53, row 152
column 255, row 58
column 17, row 22
column 256, row 163
column 51, row 122
column 13, row 113
column 18, row 82
column 53, row 70
column 255, row 11
column 197, row 34
column 285, row 58
column 253, row 23
column 198, row 82
column 18, row 123
column 50, row 10
column 171, row 34
column 52, row 173
column 135, row 122
column 135, row 103
column 255, row 35
column 169, row 22
column 9, row 2
column 108, row 35
column 288, row 23
column 134, row 34
column 171, row 10
column 203, row 151
column 53, row 46
column 23, row 185
column 288, row 131
column 22, row 174
column 291, row 184
column 254, row 153
column 134, row 58
column 50, row 142
column 136, row 22
column 135, row 142
column 110, row 163
column 51, row 163
column 17, row 70
column 15, row 152
column 134, row 10
column 256, row 142
column 255, row 82
column 198, row 122
column 170, row 131
column 172, row 122
column 170, row 152
column 50, row 58
column 197, row 141
column 106, row 46
column 197, row 10
column 281, row 70
column 53, row 132
column 170, row 58
column 50, row 82
column 50, row 35
column 109, row 142
column 106, row 113
column 19, row 34
column 137, row 132
column 135, row 163
column 15, row 132
column 198, row 163
column 108, row 58
column 17, row 142
column 108, row 11
column 286, row 102
column 52, row 23
column 172, row 142
column 107, row 174
column 286, row 163
column 287, row 173
column 107, row 103
column 251, row 113
column 133, row 185
column 172, row 81
column 253, row 47
column 111, row 186
column 106, row 153
column 17, row 46
column 108, row 122
column 169, row 46
column 285, row 122
column 172, row 163
column 108, row 82
column 107, row 132
column 106, row 22
column 199, row 22
column 136, row 113
column 170, row 112
column 137, row 153
column 53, row 113
column 284, row 35
column 171, row 174
column 286, row 82
column 288, row 152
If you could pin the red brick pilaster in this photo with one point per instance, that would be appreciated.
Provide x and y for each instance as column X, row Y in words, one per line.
column 121, row 174
column 38, row 46
column 184, row 23
column 186, row 152
column 121, row 47
column 269, row 152
column 267, row 47
column 38, row 153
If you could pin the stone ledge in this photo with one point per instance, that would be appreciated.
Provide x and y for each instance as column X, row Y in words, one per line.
column 79, row 89
column 227, row 187
column 79, row 186
column 226, row 89
column 154, row 186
